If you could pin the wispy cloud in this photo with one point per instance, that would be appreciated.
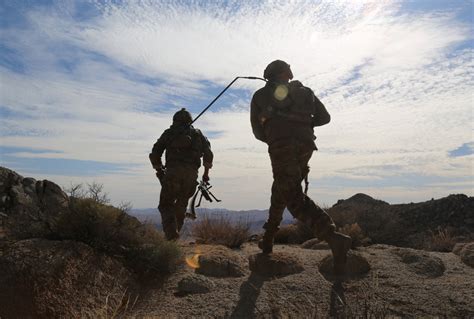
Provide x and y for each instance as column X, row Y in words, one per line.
column 97, row 82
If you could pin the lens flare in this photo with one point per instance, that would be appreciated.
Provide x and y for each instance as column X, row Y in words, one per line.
column 193, row 261
column 281, row 92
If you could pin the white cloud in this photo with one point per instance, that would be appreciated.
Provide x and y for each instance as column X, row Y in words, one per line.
column 398, row 94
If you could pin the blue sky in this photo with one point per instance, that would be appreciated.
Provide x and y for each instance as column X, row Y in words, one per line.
column 86, row 88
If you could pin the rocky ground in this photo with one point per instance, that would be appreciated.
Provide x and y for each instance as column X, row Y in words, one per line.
column 46, row 272
column 383, row 281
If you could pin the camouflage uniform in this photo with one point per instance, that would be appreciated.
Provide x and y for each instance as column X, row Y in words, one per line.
column 184, row 146
column 283, row 115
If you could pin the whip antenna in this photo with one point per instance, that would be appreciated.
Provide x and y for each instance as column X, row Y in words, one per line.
column 222, row 92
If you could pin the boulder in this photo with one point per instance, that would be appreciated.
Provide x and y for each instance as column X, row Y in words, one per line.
column 356, row 264
column 458, row 247
column 195, row 284
column 221, row 261
column 315, row 244
column 467, row 254
column 421, row 262
column 59, row 279
column 275, row 264
column 30, row 208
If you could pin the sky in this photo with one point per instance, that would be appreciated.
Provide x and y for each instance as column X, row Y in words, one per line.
column 87, row 87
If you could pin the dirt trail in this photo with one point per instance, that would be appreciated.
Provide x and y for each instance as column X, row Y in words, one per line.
column 401, row 282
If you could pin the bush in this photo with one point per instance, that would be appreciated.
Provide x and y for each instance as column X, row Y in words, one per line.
column 110, row 230
column 441, row 240
column 220, row 231
column 356, row 233
column 296, row 233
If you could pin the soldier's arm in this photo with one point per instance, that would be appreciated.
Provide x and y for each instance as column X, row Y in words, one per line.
column 321, row 115
column 157, row 151
column 207, row 155
column 257, row 127
column 207, row 158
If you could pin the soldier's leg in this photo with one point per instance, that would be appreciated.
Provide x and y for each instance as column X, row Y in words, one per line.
column 180, row 211
column 283, row 160
column 188, row 188
column 324, row 228
column 275, row 214
column 304, row 209
column 169, row 189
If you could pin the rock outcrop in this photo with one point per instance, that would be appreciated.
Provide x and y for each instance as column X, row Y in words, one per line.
column 315, row 244
column 195, row 284
column 408, row 225
column 422, row 263
column 44, row 275
column 356, row 265
column 30, row 208
column 220, row 261
column 466, row 252
column 277, row 264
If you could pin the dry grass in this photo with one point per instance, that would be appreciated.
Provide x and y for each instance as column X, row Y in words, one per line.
column 220, row 230
column 116, row 305
column 441, row 240
column 296, row 233
column 355, row 232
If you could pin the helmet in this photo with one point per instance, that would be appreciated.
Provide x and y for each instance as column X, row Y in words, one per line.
column 274, row 68
column 182, row 116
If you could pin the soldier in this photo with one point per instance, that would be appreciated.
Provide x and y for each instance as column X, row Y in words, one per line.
column 184, row 147
column 283, row 115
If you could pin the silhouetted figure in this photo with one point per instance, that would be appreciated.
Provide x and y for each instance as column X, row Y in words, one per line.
column 283, row 115
column 184, row 146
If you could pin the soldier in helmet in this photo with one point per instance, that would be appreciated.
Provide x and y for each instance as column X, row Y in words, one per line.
column 283, row 115
column 184, row 146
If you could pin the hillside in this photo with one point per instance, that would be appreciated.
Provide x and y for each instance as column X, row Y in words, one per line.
column 408, row 225
column 63, row 257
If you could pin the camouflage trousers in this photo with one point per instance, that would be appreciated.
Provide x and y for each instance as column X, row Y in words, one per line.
column 178, row 185
column 290, row 166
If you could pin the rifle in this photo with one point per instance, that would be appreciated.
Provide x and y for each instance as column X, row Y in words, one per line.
column 204, row 189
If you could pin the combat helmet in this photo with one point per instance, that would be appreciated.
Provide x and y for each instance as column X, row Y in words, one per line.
column 182, row 117
column 274, row 68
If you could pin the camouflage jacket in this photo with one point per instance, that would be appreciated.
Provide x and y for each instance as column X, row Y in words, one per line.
column 282, row 111
column 183, row 145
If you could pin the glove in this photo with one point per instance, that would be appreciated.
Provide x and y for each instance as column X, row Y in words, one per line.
column 160, row 172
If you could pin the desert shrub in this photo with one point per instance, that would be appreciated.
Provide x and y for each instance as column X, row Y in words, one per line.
column 220, row 230
column 296, row 233
column 286, row 234
column 112, row 231
column 355, row 232
column 118, row 304
column 441, row 240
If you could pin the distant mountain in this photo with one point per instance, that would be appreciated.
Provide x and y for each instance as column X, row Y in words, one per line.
column 401, row 224
column 256, row 218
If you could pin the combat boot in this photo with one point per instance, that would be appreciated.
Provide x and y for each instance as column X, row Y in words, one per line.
column 340, row 245
column 170, row 232
column 266, row 244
